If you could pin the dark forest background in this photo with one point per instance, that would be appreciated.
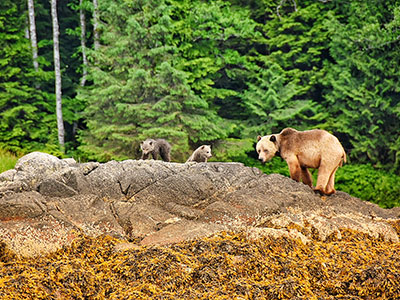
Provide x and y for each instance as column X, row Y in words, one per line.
column 208, row 72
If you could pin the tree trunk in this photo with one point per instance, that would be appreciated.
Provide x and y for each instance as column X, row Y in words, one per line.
column 83, row 43
column 96, row 25
column 57, row 70
column 32, row 34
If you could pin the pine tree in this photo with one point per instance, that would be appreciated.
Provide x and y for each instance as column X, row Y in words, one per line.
column 215, row 45
column 271, row 104
column 362, row 83
column 137, row 91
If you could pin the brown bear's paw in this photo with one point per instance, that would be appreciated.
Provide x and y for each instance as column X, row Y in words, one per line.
column 323, row 192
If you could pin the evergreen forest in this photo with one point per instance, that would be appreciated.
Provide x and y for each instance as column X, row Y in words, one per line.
column 199, row 72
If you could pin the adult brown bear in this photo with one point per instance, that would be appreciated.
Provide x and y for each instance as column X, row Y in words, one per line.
column 317, row 149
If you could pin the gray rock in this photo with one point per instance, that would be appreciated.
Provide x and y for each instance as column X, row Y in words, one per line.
column 151, row 201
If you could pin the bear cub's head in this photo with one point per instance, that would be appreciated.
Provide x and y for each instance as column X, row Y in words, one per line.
column 206, row 151
column 147, row 146
column 266, row 147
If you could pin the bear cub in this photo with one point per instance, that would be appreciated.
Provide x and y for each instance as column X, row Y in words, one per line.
column 156, row 147
column 201, row 154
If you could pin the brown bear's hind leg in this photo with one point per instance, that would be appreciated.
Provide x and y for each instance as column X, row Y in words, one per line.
column 165, row 156
column 330, row 188
column 322, row 181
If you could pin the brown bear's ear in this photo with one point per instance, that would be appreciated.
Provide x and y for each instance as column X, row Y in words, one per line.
column 258, row 138
column 272, row 138
column 202, row 147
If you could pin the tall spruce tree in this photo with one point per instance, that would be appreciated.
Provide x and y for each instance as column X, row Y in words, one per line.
column 137, row 91
column 363, row 88
column 271, row 104
column 216, row 41
column 287, row 90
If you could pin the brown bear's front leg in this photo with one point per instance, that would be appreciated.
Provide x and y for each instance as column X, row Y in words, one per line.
column 145, row 156
column 294, row 168
column 306, row 176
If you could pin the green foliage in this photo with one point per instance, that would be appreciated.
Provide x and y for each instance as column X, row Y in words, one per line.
column 215, row 43
column 284, row 91
column 27, row 120
column 229, row 150
column 196, row 72
column 137, row 91
column 7, row 160
column 271, row 103
column 368, row 183
column 362, row 92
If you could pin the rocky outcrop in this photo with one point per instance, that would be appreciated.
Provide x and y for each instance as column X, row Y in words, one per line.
column 47, row 201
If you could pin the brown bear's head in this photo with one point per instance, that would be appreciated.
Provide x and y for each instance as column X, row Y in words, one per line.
column 266, row 147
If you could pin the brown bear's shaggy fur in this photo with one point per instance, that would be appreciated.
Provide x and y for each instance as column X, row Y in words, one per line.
column 201, row 154
column 301, row 150
column 156, row 147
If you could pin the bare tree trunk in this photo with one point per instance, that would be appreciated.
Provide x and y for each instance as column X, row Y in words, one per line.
column 96, row 25
column 32, row 34
column 27, row 30
column 280, row 5
column 83, row 42
column 57, row 70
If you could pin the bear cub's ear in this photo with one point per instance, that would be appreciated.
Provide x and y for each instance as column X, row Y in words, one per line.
column 272, row 138
column 258, row 138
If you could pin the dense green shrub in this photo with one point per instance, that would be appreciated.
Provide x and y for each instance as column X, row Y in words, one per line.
column 368, row 183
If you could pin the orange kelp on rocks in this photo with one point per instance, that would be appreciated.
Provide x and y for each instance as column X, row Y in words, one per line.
column 228, row 265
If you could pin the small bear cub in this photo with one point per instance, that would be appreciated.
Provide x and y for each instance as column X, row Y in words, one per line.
column 201, row 154
column 156, row 147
